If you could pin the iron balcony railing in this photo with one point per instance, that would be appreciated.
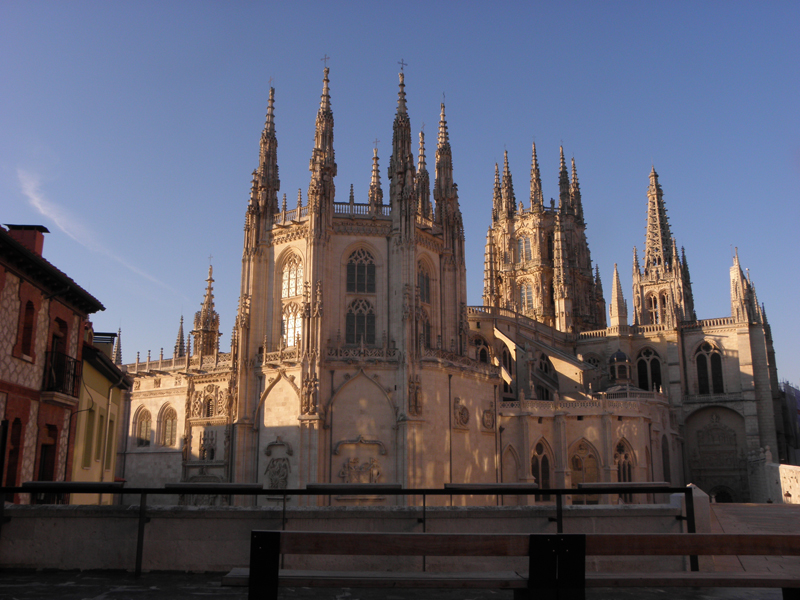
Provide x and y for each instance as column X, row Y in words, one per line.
column 62, row 374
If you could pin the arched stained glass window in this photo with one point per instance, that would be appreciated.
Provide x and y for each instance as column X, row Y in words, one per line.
column 169, row 428
column 292, row 278
column 291, row 324
column 143, row 426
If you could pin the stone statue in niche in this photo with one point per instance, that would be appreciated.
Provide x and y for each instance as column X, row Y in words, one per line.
column 354, row 471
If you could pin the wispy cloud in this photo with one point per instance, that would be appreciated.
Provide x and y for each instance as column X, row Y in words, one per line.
column 70, row 225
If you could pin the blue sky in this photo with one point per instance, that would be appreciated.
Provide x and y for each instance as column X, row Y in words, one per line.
column 131, row 131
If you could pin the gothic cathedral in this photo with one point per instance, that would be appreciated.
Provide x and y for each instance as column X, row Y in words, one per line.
column 355, row 357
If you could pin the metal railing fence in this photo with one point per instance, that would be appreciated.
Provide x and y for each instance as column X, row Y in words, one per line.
column 234, row 489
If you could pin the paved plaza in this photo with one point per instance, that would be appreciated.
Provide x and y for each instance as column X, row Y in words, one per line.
column 116, row 585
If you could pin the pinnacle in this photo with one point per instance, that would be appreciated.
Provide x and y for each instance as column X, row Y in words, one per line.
column 443, row 136
column 269, row 126
column 421, row 165
column 401, row 96
column 325, row 100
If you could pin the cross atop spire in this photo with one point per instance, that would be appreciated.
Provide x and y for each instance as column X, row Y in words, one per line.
column 325, row 59
column 402, row 64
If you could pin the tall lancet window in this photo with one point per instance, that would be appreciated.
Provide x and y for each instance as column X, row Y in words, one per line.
column 424, row 283
column 709, row 370
column 291, row 325
column 361, row 273
column 360, row 323
column 524, row 249
column 292, row 280
column 526, row 296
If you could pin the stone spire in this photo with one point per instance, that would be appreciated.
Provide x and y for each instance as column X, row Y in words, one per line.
column 599, row 301
column 563, row 184
column 562, row 281
column 321, row 188
column 423, row 181
column 323, row 134
column 179, row 350
column 116, row 353
column 402, row 172
column 688, row 296
column 497, row 196
column 744, row 304
column 206, row 322
column 537, row 198
column 489, row 275
column 618, row 310
column 575, row 193
column 443, row 188
column 265, row 184
column 375, row 191
column 265, row 178
column 657, row 258
column 507, row 190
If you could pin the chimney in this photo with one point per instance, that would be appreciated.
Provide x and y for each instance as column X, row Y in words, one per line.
column 30, row 236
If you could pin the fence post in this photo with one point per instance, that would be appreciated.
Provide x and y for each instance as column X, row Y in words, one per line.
column 688, row 494
column 140, row 536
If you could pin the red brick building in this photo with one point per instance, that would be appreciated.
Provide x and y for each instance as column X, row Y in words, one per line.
column 42, row 318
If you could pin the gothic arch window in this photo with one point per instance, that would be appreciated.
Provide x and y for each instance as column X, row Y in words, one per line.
column 360, row 323
column 28, row 318
column 526, row 296
column 482, row 350
column 425, row 328
column 653, row 310
column 424, row 283
column 361, row 272
column 662, row 308
column 648, row 367
column 544, row 365
column 292, row 277
column 550, row 246
column 623, row 459
column 524, row 249
column 709, row 370
column 143, row 425
column 585, row 468
column 169, row 428
column 291, row 324
column 540, row 468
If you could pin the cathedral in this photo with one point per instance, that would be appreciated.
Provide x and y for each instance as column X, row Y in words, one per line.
column 355, row 357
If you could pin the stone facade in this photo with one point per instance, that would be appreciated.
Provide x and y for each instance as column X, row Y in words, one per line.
column 356, row 359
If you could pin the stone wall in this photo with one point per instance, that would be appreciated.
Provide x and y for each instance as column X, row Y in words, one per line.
column 217, row 539
column 773, row 482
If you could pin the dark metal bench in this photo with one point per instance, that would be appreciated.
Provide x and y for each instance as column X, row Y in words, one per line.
column 557, row 562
